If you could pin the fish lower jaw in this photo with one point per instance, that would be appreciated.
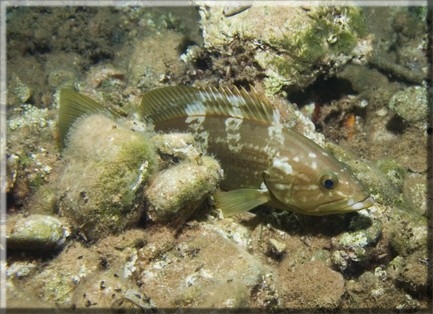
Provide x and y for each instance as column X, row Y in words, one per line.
column 369, row 201
column 343, row 206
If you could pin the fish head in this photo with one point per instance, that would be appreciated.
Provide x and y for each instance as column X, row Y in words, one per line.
column 316, row 184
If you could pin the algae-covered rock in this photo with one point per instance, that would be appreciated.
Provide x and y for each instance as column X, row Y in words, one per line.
column 37, row 232
column 415, row 192
column 379, row 185
column 146, row 67
column 18, row 92
column 409, row 233
column 410, row 273
column 414, row 276
column 105, row 164
column 410, row 104
column 29, row 117
column 20, row 270
column 353, row 247
column 176, row 147
column 393, row 171
column 294, row 45
column 179, row 190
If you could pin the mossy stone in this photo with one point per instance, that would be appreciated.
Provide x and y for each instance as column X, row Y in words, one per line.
column 179, row 190
column 106, row 163
column 410, row 104
column 37, row 232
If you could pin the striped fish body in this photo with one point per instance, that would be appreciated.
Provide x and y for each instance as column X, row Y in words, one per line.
column 263, row 161
column 238, row 145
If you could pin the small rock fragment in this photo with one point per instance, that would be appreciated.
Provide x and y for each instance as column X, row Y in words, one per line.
column 277, row 248
column 179, row 190
column 352, row 248
column 409, row 234
column 18, row 92
column 37, row 232
column 177, row 146
column 20, row 270
column 410, row 104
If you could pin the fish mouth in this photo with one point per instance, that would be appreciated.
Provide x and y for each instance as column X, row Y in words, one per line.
column 344, row 206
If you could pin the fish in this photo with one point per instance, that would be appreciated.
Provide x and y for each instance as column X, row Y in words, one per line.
column 264, row 162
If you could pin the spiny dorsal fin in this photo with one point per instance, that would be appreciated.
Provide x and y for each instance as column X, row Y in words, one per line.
column 241, row 200
column 74, row 105
column 172, row 102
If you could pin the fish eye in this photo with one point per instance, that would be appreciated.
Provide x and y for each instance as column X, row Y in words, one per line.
column 328, row 181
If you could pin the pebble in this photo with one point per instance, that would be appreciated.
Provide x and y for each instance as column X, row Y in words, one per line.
column 37, row 232
column 277, row 248
column 410, row 104
column 181, row 188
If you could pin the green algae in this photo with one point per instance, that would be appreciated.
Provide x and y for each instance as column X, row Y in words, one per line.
column 324, row 35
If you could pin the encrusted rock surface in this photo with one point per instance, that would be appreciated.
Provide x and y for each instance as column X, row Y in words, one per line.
column 36, row 232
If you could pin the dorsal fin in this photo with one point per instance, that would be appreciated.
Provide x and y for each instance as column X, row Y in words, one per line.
column 172, row 102
column 72, row 106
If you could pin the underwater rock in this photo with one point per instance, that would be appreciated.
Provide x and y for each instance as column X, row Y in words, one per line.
column 105, row 290
column 179, row 190
column 293, row 45
column 12, row 163
column 18, row 92
column 371, row 288
column 378, row 183
column 176, row 147
column 298, row 285
column 105, row 164
column 393, row 171
column 415, row 192
column 276, row 248
column 410, row 273
column 414, row 275
column 352, row 248
column 409, row 233
column 146, row 67
column 410, row 104
column 20, row 270
column 197, row 269
column 101, row 74
column 82, row 275
column 30, row 117
column 63, row 68
column 36, row 232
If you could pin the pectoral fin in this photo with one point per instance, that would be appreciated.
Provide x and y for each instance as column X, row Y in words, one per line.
column 238, row 201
